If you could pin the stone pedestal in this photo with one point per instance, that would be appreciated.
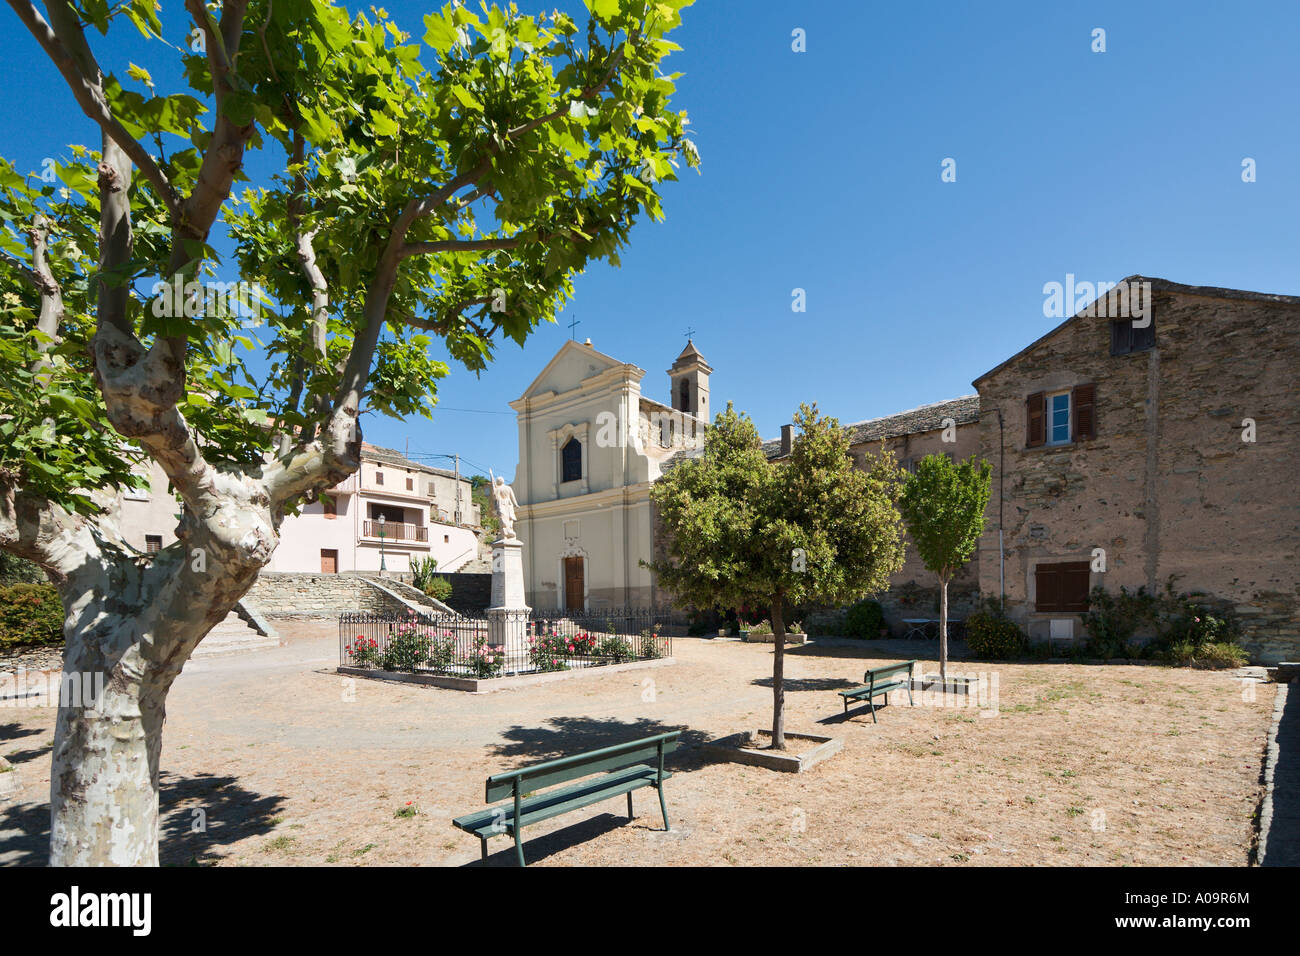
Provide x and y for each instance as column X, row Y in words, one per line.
column 508, row 614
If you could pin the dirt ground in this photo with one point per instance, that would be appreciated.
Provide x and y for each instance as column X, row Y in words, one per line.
column 270, row 758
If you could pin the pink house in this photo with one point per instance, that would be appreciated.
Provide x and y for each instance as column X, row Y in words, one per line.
column 391, row 511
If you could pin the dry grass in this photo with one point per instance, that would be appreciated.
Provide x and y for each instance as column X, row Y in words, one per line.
column 1082, row 765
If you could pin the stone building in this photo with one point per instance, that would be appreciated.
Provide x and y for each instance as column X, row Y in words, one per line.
column 1167, row 449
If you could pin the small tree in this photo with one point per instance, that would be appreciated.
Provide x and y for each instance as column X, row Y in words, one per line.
column 943, row 507
column 743, row 531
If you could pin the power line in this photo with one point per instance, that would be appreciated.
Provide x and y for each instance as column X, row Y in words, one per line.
column 479, row 411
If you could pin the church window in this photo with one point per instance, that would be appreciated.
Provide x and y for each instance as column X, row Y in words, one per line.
column 571, row 460
column 685, row 400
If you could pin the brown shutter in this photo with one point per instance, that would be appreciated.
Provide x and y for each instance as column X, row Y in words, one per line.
column 1084, row 400
column 1036, row 432
column 1074, row 586
column 1046, row 585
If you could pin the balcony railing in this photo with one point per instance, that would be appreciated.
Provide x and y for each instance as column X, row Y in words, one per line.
column 395, row 531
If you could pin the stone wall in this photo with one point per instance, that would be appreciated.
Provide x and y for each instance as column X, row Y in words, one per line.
column 1167, row 487
column 280, row 594
column 914, row 590
column 470, row 593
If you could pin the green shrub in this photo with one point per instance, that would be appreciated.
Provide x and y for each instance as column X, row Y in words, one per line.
column 864, row 619
column 652, row 647
column 762, row 627
column 1184, row 625
column 1215, row 655
column 439, row 588
column 826, row 623
column 991, row 634
column 1112, row 619
column 422, row 572
column 30, row 614
column 406, row 650
column 616, row 649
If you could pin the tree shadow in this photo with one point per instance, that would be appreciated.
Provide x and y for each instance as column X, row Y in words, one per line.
column 230, row 813
column 574, row 735
column 11, row 732
column 797, row 684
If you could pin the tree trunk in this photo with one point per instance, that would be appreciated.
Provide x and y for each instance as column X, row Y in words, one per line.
column 778, row 676
column 943, row 632
column 104, row 774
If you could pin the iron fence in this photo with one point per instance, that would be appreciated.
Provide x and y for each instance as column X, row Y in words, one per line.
column 512, row 643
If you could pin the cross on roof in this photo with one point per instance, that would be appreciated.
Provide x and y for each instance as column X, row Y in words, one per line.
column 572, row 325
column 689, row 333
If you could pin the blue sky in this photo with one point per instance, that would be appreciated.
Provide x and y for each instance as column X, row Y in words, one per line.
column 821, row 171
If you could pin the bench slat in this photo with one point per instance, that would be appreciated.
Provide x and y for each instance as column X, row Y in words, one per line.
column 539, row 776
column 555, row 802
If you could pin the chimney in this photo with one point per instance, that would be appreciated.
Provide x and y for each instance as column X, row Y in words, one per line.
column 787, row 440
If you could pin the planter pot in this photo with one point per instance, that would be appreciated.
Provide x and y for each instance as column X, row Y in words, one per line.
column 753, row 638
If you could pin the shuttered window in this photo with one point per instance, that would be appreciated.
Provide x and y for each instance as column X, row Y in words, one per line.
column 1125, row 339
column 1060, row 418
column 1061, row 586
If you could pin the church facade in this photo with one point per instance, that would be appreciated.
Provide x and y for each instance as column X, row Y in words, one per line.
column 590, row 447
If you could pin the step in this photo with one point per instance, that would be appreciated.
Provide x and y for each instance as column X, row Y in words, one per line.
column 233, row 636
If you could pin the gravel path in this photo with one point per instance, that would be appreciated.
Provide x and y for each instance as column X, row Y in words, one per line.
column 286, row 763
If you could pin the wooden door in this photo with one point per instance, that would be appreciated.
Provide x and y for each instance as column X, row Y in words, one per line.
column 573, row 585
column 329, row 561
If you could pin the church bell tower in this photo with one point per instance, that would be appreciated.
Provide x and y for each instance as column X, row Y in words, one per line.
column 689, row 381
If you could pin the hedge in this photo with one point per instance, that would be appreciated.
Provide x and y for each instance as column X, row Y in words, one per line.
column 30, row 614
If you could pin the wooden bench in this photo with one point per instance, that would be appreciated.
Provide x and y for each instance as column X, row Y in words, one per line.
column 877, row 681
column 621, row 769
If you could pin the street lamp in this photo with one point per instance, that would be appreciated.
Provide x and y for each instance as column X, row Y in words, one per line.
column 382, row 567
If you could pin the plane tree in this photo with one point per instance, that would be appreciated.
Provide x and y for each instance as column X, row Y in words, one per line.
column 379, row 201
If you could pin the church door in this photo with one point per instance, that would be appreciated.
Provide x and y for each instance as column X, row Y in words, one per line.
column 573, row 585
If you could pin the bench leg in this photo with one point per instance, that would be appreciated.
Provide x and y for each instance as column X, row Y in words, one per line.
column 519, row 849
column 629, row 805
column 872, row 704
column 910, row 702
column 663, row 807
column 483, row 847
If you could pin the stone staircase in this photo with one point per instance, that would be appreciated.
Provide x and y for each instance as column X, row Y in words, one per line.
column 233, row 636
column 480, row 565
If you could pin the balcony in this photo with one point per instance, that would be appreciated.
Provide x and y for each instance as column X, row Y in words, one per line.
column 395, row 531
column 348, row 486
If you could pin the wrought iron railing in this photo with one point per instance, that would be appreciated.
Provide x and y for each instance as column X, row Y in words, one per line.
column 395, row 531
column 520, row 642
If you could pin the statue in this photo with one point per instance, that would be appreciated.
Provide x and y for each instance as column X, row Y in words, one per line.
column 503, row 496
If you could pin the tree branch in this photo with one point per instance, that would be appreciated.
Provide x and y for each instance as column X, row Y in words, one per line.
column 65, row 45
column 453, row 245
